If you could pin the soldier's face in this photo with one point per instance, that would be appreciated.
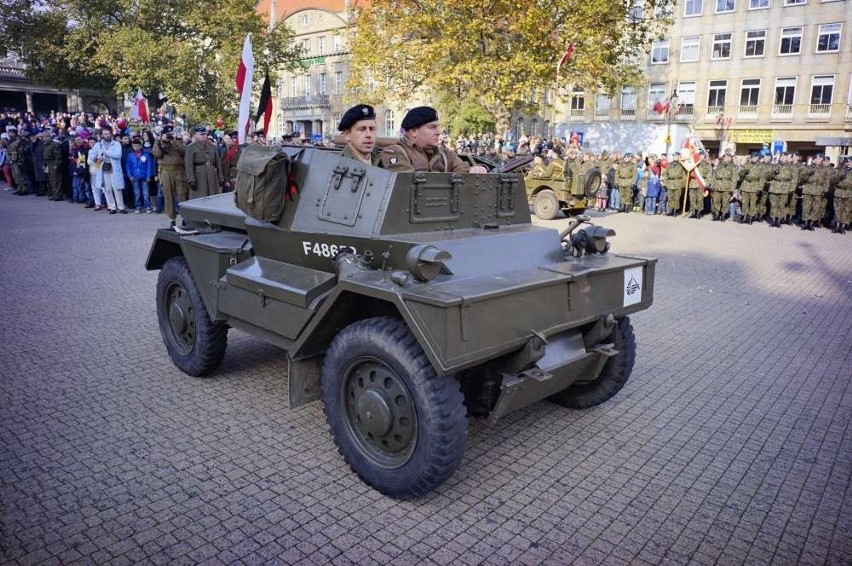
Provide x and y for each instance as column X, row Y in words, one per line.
column 362, row 136
column 427, row 135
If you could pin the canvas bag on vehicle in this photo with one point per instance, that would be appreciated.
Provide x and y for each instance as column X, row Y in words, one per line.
column 261, row 185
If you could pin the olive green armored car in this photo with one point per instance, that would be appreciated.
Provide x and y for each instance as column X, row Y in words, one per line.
column 406, row 302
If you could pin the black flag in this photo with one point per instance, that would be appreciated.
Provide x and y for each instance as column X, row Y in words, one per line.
column 265, row 107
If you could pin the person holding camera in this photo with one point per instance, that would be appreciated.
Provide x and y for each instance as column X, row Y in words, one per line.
column 170, row 155
column 105, row 158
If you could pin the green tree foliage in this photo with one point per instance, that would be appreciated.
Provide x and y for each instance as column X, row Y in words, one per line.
column 186, row 50
column 499, row 52
column 470, row 118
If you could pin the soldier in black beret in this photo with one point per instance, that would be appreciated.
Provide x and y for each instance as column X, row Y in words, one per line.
column 358, row 125
column 419, row 148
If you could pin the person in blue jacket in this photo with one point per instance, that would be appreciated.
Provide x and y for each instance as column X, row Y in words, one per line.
column 654, row 188
column 140, row 169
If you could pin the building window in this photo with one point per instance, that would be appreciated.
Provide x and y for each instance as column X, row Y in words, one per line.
column 660, row 52
column 602, row 105
column 578, row 103
column 321, row 45
column 723, row 6
column 338, row 82
column 390, row 124
column 656, row 93
column 305, row 19
column 721, row 46
column 337, row 43
column 795, row 2
column 323, row 83
column 534, row 127
column 791, row 41
column 686, row 98
column 758, row 4
column 828, row 38
column 716, row 96
column 750, row 92
column 755, row 43
column 628, row 101
column 307, row 85
column 785, row 94
column 693, row 7
column 293, row 86
column 822, row 89
column 689, row 48
column 306, row 46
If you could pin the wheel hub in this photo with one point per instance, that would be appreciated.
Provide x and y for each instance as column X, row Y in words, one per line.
column 380, row 413
column 177, row 317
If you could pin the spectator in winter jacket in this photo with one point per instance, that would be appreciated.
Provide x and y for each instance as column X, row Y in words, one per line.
column 140, row 170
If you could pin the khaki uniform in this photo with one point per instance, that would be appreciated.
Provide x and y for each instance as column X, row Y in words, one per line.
column 843, row 201
column 674, row 180
column 352, row 154
column 405, row 156
column 781, row 190
column 204, row 168
column 814, row 192
column 171, row 169
column 752, row 188
column 21, row 156
column 53, row 161
column 625, row 177
column 696, row 193
column 724, row 183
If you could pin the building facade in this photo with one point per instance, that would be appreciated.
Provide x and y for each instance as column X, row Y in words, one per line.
column 738, row 74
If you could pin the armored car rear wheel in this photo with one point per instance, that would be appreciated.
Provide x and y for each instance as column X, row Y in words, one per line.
column 613, row 377
column 546, row 205
column 398, row 425
column 195, row 343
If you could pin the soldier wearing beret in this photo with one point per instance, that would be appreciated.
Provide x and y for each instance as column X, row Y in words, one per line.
column 358, row 126
column 170, row 154
column 419, row 148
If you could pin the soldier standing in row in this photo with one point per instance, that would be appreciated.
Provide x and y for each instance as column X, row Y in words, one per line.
column 203, row 166
column 781, row 189
column 625, row 178
column 814, row 193
column 843, row 201
column 674, row 181
column 724, row 183
column 696, row 191
column 21, row 156
column 170, row 155
column 358, row 125
column 751, row 189
column 53, row 162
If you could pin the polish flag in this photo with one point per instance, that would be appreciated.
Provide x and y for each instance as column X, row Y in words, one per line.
column 139, row 111
column 244, row 76
column 565, row 57
column 690, row 158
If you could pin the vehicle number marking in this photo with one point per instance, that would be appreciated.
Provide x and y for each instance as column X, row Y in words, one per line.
column 323, row 249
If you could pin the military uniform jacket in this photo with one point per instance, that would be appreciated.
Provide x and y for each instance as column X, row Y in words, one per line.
column 783, row 181
column 405, row 156
column 706, row 172
column 21, row 152
column 844, row 186
column 204, row 168
column 675, row 176
column 625, row 175
column 352, row 154
column 52, row 154
column 170, row 156
column 725, row 177
column 555, row 168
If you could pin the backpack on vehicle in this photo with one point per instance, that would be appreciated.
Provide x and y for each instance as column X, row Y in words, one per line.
column 262, row 181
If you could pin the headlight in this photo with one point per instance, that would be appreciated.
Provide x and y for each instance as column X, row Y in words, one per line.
column 591, row 240
column 425, row 262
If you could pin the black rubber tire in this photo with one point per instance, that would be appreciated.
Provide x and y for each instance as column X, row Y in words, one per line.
column 613, row 377
column 384, row 348
column 546, row 205
column 195, row 344
column 592, row 182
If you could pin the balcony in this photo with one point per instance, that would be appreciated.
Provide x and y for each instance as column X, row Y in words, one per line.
column 849, row 112
column 653, row 116
column 747, row 112
column 685, row 112
column 819, row 112
column 601, row 113
column 782, row 113
column 576, row 114
column 627, row 113
column 713, row 113
column 313, row 101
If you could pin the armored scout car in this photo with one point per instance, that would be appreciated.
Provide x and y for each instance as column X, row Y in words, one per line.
column 405, row 301
column 558, row 191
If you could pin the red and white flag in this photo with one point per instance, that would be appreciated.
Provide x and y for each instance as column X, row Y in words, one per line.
column 244, row 77
column 139, row 111
column 565, row 57
column 691, row 157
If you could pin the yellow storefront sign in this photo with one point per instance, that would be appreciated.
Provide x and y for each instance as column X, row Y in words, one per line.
column 752, row 136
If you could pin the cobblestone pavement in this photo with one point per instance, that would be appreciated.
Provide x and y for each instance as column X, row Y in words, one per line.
column 730, row 444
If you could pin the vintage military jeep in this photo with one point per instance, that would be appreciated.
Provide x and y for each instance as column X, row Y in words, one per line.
column 548, row 196
column 406, row 302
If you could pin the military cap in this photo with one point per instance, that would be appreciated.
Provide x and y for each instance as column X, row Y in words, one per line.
column 167, row 130
column 287, row 137
column 202, row 129
column 232, row 133
column 355, row 114
column 819, row 156
column 418, row 116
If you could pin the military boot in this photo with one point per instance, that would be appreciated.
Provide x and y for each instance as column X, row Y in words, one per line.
column 809, row 225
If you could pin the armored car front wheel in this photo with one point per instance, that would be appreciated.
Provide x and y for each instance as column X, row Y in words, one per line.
column 398, row 425
column 613, row 377
column 195, row 343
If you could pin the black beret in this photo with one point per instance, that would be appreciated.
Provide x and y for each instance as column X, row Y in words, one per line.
column 418, row 116
column 354, row 114
column 200, row 129
column 233, row 133
column 167, row 130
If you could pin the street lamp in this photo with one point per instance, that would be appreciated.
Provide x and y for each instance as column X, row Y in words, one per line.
column 670, row 112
